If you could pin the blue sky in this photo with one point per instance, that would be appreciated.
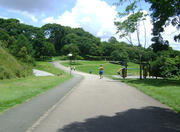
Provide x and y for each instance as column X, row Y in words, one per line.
column 95, row 16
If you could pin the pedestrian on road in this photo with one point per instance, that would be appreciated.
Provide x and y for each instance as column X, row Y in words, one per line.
column 119, row 71
column 90, row 71
column 101, row 71
column 74, row 68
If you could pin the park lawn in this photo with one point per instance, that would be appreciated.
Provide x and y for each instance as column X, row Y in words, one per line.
column 109, row 68
column 17, row 91
column 163, row 90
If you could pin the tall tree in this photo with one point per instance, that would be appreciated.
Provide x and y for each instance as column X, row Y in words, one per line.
column 159, row 44
column 112, row 40
column 70, row 48
column 130, row 24
column 55, row 33
column 163, row 13
column 22, row 49
column 129, row 20
column 43, row 49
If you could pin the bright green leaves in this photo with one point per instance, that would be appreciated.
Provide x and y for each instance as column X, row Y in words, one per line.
column 128, row 21
column 131, row 7
column 164, row 11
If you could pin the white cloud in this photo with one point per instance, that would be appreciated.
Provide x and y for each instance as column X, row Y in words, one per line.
column 31, row 16
column 169, row 33
column 49, row 20
column 95, row 16
column 3, row 17
column 68, row 19
column 25, row 14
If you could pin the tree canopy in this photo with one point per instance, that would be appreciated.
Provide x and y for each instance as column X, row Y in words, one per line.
column 28, row 43
column 165, row 12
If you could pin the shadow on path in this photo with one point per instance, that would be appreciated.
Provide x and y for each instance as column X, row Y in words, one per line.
column 148, row 119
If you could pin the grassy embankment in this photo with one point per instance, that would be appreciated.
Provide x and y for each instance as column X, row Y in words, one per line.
column 11, row 68
column 16, row 91
column 109, row 69
column 166, row 91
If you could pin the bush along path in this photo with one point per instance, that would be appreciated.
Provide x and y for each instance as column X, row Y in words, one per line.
column 106, row 105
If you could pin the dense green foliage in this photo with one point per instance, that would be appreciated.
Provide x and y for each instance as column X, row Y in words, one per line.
column 166, row 91
column 22, row 49
column 68, row 40
column 28, row 43
column 24, row 41
column 159, row 44
column 16, row 91
column 163, row 13
column 10, row 67
column 166, row 64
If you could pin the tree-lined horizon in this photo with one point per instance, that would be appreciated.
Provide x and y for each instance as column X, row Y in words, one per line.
column 28, row 43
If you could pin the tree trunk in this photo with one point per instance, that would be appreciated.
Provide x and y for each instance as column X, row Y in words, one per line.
column 144, row 34
column 137, row 32
column 140, row 67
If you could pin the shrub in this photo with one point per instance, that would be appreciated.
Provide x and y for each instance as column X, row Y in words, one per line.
column 165, row 67
column 4, row 74
column 90, row 57
column 79, row 57
column 119, row 55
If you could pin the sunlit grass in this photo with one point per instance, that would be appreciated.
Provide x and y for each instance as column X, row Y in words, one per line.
column 16, row 91
column 166, row 91
column 109, row 68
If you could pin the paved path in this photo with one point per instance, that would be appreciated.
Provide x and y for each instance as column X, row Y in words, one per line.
column 23, row 116
column 41, row 73
column 105, row 105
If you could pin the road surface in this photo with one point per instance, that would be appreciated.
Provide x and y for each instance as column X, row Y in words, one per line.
column 105, row 105
column 23, row 116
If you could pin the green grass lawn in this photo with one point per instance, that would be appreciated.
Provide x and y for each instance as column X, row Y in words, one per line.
column 166, row 91
column 109, row 69
column 16, row 91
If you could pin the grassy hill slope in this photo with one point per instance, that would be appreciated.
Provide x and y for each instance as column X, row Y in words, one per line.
column 10, row 67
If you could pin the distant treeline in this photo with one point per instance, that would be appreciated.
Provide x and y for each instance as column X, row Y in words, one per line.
column 28, row 43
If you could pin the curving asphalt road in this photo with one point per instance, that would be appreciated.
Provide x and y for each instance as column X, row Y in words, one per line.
column 105, row 105
column 93, row 105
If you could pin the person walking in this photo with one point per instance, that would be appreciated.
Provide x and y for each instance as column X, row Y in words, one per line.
column 101, row 71
column 74, row 68
column 119, row 71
